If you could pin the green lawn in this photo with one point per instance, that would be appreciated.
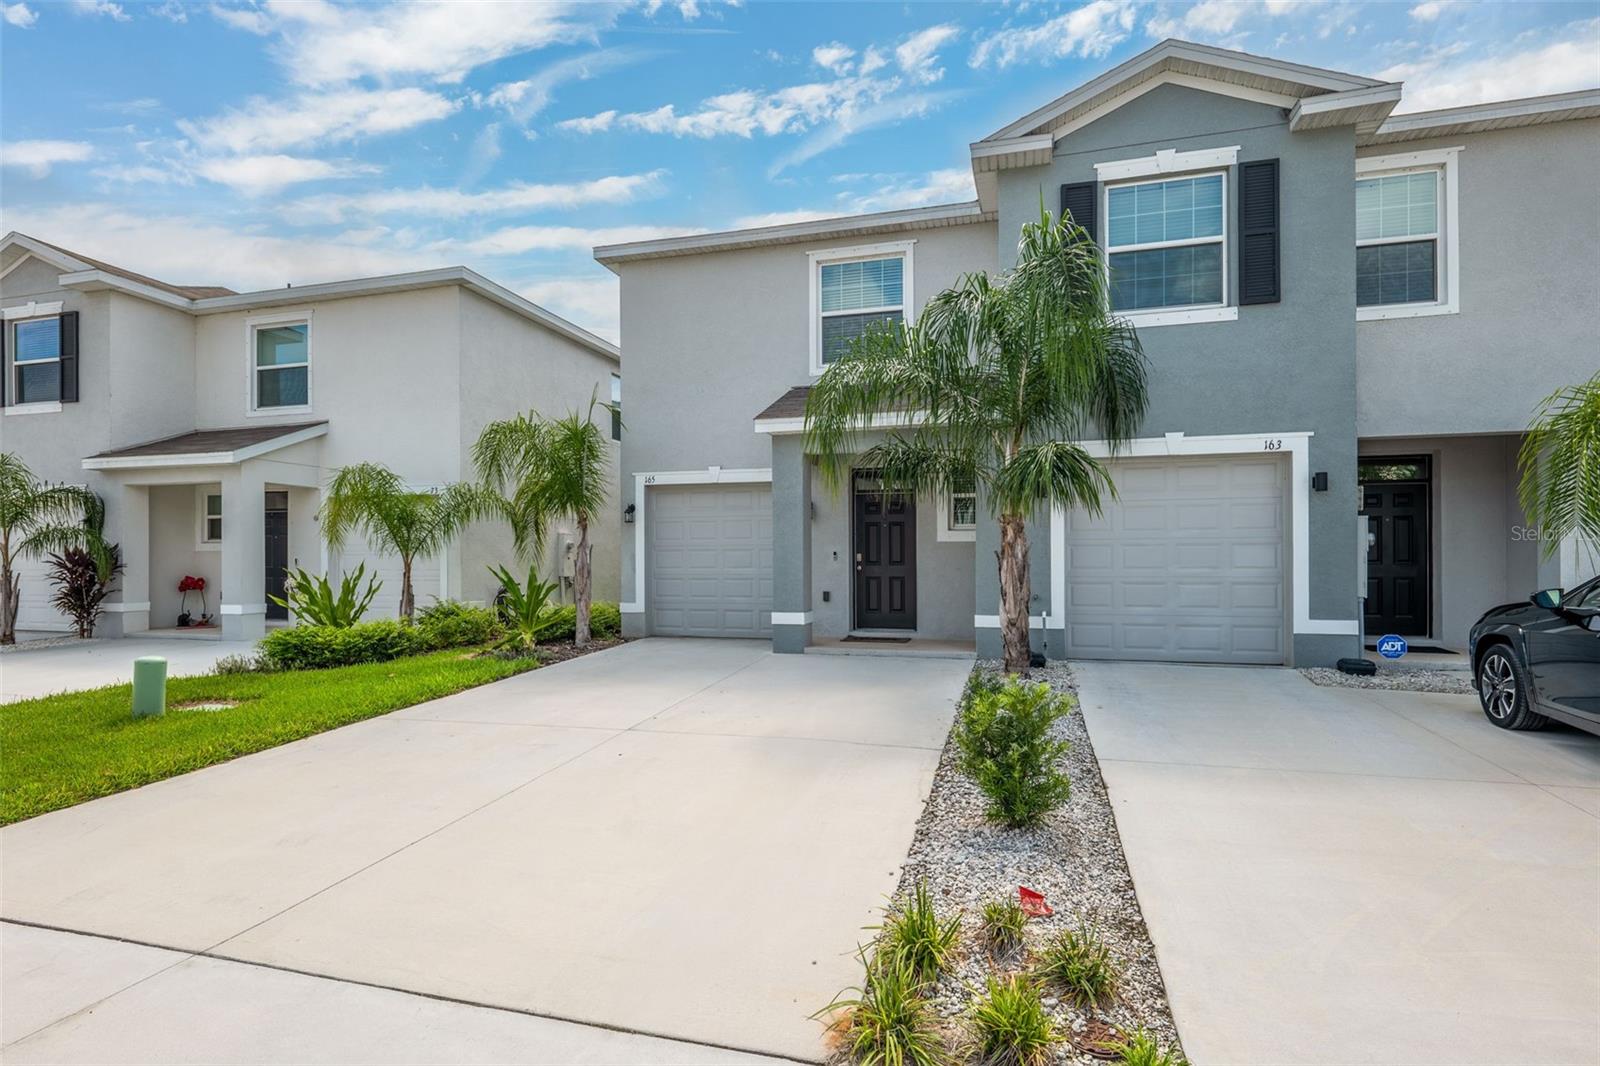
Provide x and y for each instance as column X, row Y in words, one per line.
column 60, row 750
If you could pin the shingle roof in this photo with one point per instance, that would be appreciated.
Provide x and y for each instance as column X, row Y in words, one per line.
column 209, row 441
column 791, row 404
column 188, row 292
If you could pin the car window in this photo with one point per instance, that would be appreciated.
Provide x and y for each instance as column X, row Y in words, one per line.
column 1585, row 596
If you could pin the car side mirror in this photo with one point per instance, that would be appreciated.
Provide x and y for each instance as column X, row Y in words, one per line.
column 1549, row 599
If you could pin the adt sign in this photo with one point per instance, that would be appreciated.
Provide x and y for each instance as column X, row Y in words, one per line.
column 1392, row 646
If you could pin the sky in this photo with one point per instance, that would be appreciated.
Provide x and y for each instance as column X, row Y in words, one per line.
column 293, row 141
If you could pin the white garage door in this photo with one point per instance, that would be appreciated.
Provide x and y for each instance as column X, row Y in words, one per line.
column 1187, row 566
column 711, row 561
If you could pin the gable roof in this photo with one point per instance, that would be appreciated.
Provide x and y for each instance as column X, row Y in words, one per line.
column 208, row 447
column 75, row 262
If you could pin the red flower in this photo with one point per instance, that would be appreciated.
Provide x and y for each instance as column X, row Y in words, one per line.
column 192, row 584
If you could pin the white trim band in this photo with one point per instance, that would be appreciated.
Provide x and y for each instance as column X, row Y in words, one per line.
column 1167, row 161
column 992, row 621
column 32, row 309
column 125, row 608
column 791, row 618
column 242, row 608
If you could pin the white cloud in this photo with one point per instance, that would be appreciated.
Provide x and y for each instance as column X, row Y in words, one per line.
column 1209, row 18
column 785, row 218
column 522, row 100
column 747, row 112
column 872, row 60
column 936, row 187
column 144, row 174
column 249, row 19
column 100, row 7
column 1089, row 31
column 19, row 15
column 454, row 203
column 590, row 124
column 852, row 119
column 918, row 55
column 37, row 157
column 258, row 175
column 593, row 303
column 326, row 44
column 172, row 10
column 316, row 118
column 481, row 156
column 516, row 240
column 1428, row 10
column 834, row 56
column 1439, row 80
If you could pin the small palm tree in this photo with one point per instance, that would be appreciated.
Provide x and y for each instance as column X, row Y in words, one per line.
column 372, row 500
column 37, row 517
column 1560, row 460
column 1005, row 375
column 550, row 469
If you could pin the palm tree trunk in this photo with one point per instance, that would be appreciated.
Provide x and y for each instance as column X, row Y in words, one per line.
column 10, row 600
column 406, row 599
column 580, row 578
column 1015, row 592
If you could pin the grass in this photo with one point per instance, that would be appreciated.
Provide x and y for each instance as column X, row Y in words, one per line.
column 1003, row 921
column 914, row 935
column 65, row 749
column 1010, row 1025
column 1141, row 1049
column 889, row 1023
column 1078, row 963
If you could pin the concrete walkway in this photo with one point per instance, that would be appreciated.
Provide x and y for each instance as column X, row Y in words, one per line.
column 1336, row 875
column 31, row 672
column 681, row 838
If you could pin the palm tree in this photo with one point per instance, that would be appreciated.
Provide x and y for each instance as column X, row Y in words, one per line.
column 1004, row 375
column 37, row 517
column 550, row 469
column 1560, row 460
column 370, row 499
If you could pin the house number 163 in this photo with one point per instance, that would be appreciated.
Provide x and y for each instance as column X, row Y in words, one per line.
column 1271, row 445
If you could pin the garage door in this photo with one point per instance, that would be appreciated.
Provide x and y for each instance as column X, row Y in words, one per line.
column 711, row 561
column 1187, row 566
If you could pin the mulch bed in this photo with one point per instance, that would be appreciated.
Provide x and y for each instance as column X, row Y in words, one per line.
column 560, row 653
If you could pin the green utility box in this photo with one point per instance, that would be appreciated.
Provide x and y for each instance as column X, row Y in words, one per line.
column 149, row 686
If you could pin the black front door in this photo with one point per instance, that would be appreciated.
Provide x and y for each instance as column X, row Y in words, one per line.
column 885, row 557
column 277, row 526
column 1398, row 567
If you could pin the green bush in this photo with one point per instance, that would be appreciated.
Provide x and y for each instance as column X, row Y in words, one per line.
column 1141, row 1049
column 1078, row 964
column 1004, row 735
column 561, row 623
column 1011, row 1026
column 313, row 601
column 913, row 934
column 1003, row 921
column 452, row 624
column 315, row 647
column 889, row 1022
column 248, row 663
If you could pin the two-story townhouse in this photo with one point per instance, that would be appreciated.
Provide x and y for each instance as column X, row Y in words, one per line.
column 210, row 421
column 1348, row 318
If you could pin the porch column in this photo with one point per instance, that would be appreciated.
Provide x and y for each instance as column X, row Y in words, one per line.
column 243, row 595
column 1569, row 566
column 128, row 523
column 791, row 544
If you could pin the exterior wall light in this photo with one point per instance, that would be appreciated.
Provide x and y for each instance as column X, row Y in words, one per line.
column 627, row 515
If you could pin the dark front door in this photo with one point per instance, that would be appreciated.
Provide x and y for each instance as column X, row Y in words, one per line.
column 277, row 526
column 1398, row 565
column 885, row 557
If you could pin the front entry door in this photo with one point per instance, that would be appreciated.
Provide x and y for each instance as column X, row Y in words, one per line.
column 277, row 526
column 1398, row 567
column 885, row 557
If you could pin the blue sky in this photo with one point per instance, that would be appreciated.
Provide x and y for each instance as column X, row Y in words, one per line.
column 252, row 145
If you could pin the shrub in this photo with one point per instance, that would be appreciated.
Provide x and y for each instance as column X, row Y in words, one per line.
column 913, row 934
column 889, row 1022
column 313, row 601
column 1004, row 735
column 1003, row 920
column 1078, row 963
column 1010, row 1025
column 240, row 664
column 561, row 623
column 522, row 607
column 82, row 586
column 451, row 624
column 315, row 647
column 1141, row 1049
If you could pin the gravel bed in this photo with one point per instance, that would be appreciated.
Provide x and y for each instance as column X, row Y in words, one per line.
column 1074, row 857
column 1454, row 682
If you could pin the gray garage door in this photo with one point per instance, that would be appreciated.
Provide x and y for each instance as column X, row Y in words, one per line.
column 1187, row 566
column 711, row 560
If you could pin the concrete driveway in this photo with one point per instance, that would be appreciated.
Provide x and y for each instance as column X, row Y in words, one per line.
column 30, row 672
column 679, row 838
column 1336, row 875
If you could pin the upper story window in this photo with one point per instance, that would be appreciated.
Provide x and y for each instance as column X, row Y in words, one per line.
column 281, row 371
column 1406, row 257
column 854, row 290
column 36, row 359
column 616, row 406
column 1166, row 243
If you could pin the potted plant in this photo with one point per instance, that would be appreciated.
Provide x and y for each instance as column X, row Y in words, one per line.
column 189, row 584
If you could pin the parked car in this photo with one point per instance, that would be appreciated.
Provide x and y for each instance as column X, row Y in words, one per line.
column 1540, row 659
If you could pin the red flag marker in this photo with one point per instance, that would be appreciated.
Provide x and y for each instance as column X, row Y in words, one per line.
column 1033, row 904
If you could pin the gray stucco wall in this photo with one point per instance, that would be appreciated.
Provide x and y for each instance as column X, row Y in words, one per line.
column 1284, row 367
column 1530, row 291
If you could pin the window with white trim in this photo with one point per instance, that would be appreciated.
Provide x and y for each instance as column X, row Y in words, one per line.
column 36, row 359
column 211, row 518
column 282, row 365
column 963, row 507
column 1166, row 243
column 1399, row 219
column 616, row 406
column 855, row 296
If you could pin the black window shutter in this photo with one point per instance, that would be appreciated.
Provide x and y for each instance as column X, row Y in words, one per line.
column 1079, row 201
column 1258, row 233
column 5, row 367
column 69, row 357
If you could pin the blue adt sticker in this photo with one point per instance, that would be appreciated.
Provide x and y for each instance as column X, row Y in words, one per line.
column 1391, row 646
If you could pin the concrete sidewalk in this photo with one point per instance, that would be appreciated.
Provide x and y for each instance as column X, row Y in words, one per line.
column 677, row 837
column 31, row 672
column 1337, row 875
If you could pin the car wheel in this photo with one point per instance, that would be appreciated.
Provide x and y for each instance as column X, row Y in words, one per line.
column 1503, row 691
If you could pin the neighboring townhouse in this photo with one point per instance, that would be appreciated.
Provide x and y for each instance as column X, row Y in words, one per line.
column 1349, row 319
column 209, row 421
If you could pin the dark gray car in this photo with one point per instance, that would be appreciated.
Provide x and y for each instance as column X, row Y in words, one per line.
column 1540, row 659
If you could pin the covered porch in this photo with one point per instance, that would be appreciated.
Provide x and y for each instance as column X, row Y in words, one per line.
column 233, row 508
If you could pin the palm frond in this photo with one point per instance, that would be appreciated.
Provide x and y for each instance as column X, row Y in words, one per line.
column 1560, row 459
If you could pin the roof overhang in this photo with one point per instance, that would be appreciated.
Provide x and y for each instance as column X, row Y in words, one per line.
column 149, row 456
column 1481, row 118
column 1364, row 108
column 93, row 280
